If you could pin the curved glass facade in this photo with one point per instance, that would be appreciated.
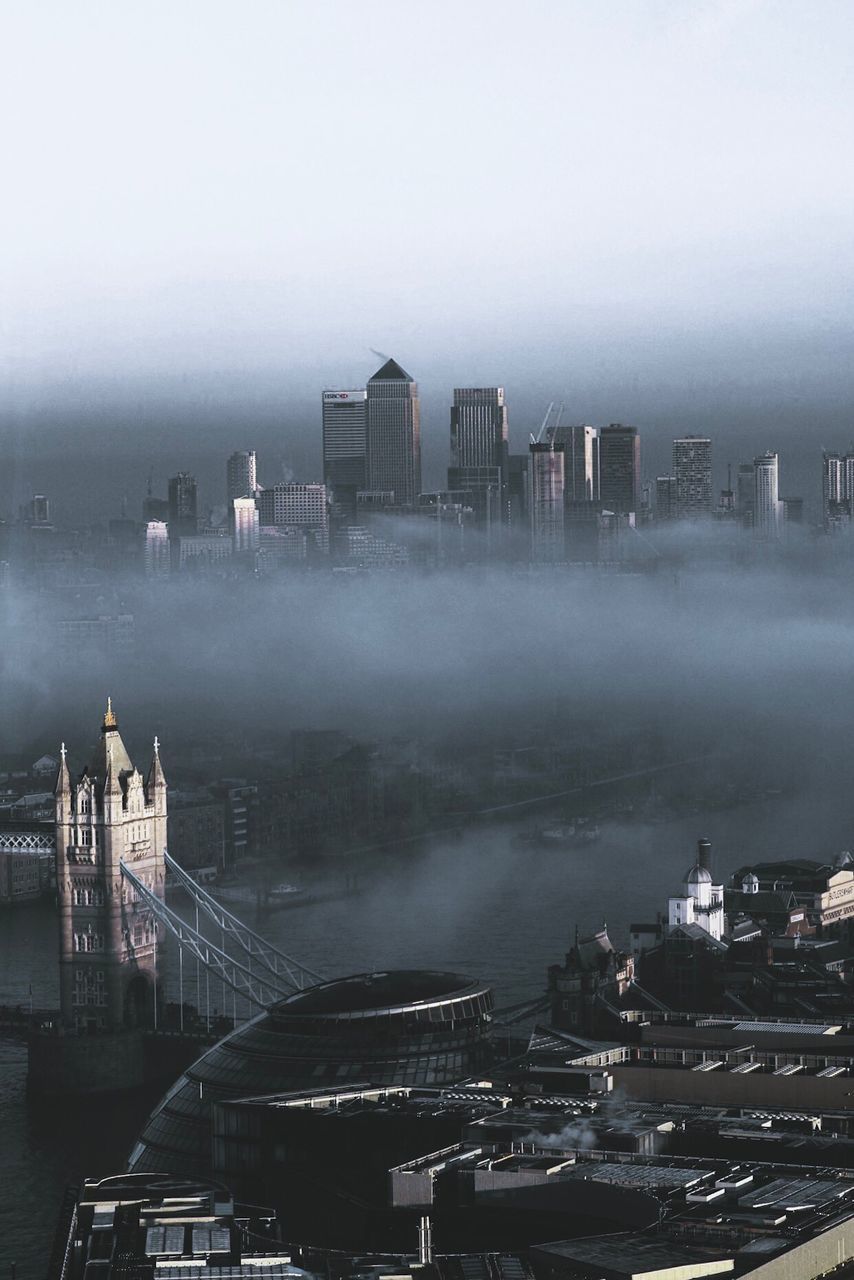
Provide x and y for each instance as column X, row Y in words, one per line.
column 404, row 1027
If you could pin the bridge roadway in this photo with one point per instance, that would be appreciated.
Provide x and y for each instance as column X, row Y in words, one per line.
column 18, row 1021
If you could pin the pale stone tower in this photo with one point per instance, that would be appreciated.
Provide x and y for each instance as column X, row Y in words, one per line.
column 108, row 942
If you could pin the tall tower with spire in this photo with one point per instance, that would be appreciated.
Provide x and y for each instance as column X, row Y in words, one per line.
column 108, row 941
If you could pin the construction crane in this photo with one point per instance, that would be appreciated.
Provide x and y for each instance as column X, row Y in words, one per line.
column 535, row 439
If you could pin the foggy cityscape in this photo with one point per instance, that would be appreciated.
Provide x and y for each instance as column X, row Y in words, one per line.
column 426, row 566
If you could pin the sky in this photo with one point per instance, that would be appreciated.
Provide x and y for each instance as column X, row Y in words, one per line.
column 213, row 210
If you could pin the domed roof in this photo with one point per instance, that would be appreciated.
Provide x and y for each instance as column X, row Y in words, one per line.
column 697, row 875
column 418, row 1027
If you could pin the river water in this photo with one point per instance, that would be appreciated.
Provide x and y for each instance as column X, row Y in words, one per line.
column 485, row 905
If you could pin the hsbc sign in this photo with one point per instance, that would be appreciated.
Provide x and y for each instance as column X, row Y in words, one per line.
column 343, row 395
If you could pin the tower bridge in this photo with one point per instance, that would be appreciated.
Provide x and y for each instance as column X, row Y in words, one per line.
column 114, row 926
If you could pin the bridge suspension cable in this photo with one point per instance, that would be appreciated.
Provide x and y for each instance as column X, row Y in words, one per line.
column 257, row 950
column 260, row 990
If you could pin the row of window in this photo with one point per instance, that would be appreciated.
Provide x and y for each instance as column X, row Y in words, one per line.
column 89, row 996
column 88, row 941
column 88, row 897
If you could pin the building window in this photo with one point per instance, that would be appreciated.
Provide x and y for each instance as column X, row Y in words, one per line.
column 88, row 941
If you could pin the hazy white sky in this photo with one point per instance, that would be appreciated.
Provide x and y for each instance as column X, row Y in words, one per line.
column 253, row 171
column 606, row 200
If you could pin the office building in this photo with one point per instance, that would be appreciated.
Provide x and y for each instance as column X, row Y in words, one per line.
column 546, row 501
column 299, row 506
column 345, row 425
column 485, row 491
column 692, row 468
column 581, row 461
column 183, row 505
column 157, row 549
column 404, row 1027
column 394, row 434
column 36, row 512
column 200, row 551
column 245, row 524
column 479, row 428
column 792, row 510
column 241, row 476
column 837, row 489
column 745, row 495
column 665, row 497
column 619, row 468
column 766, row 497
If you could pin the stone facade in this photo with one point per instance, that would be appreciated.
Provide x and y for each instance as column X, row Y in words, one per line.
column 108, row 941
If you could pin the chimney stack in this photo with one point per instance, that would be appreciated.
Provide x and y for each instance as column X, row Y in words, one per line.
column 704, row 854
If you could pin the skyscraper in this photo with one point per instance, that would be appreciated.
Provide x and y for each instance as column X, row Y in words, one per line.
column 546, row 501
column 581, row 461
column 394, row 434
column 479, row 428
column 837, row 489
column 345, row 421
column 241, row 475
column 746, row 492
column 766, row 499
column 157, row 549
column 692, row 467
column 245, row 525
column 665, row 497
column 183, row 505
column 479, row 456
column 619, row 468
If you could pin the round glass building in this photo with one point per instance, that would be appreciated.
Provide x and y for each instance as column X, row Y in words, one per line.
column 407, row 1027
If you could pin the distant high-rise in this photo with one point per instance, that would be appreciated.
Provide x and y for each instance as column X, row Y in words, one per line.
column 37, row 510
column 692, row 467
column 157, row 549
column 183, row 505
column 479, row 428
column 581, row 461
column 345, row 424
column 766, row 496
column 619, row 468
column 241, row 475
column 245, row 529
column 394, row 434
column 837, row 489
column 745, row 494
column 665, row 497
column 299, row 506
column 546, row 501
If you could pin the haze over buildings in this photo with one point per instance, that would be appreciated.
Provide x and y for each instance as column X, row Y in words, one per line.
column 710, row 303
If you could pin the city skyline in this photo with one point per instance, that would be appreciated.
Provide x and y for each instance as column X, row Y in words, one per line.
column 188, row 284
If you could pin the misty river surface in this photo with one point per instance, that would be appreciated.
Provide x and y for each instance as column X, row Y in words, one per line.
column 485, row 905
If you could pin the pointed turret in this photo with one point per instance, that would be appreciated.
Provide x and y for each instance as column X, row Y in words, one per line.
column 156, row 780
column 63, row 778
column 62, row 790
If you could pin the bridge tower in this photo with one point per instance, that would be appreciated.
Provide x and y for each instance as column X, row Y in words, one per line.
column 108, row 940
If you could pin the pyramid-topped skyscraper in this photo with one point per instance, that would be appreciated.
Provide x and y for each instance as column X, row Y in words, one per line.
column 394, row 434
